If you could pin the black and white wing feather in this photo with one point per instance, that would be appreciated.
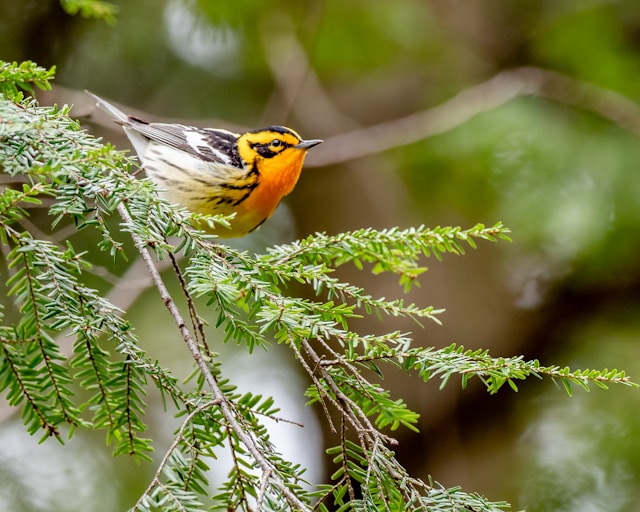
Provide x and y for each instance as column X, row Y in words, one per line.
column 209, row 144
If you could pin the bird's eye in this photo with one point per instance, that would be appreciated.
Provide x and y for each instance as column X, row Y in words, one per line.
column 276, row 143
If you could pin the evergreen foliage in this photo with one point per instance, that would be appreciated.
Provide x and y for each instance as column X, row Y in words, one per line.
column 90, row 184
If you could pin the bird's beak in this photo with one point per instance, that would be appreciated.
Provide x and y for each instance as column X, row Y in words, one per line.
column 307, row 144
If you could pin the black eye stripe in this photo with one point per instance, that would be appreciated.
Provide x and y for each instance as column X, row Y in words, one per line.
column 267, row 150
column 275, row 143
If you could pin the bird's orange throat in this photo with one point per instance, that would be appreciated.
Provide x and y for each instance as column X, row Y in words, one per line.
column 278, row 177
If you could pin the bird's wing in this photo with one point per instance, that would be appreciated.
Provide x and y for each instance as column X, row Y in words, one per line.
column 208, row 144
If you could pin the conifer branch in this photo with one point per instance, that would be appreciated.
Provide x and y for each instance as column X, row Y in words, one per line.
column 198, row 357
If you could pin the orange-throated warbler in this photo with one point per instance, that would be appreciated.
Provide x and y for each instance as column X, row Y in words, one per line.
column 213, row 171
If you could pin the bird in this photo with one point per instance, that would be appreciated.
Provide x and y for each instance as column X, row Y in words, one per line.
column 214, row 171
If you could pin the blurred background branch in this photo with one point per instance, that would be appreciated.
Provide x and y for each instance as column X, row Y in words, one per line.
column 491, row 94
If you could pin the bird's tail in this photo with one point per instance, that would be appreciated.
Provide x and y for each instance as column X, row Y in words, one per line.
column 102, row 104
column 138, row 140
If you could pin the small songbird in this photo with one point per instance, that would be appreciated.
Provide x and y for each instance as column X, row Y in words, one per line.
column 213, row 171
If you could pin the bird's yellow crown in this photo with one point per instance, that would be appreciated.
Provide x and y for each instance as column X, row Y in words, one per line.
column 267, row 143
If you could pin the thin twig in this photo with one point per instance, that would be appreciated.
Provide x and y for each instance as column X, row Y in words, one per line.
column 345, row 458
column 371, row 470
column 155, row 481
column 263, row 489
column 196, row 321
column 321, row 394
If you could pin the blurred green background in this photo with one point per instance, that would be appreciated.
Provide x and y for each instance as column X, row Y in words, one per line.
column 542, row 134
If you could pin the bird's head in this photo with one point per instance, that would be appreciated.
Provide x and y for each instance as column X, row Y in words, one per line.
column 274, row 147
